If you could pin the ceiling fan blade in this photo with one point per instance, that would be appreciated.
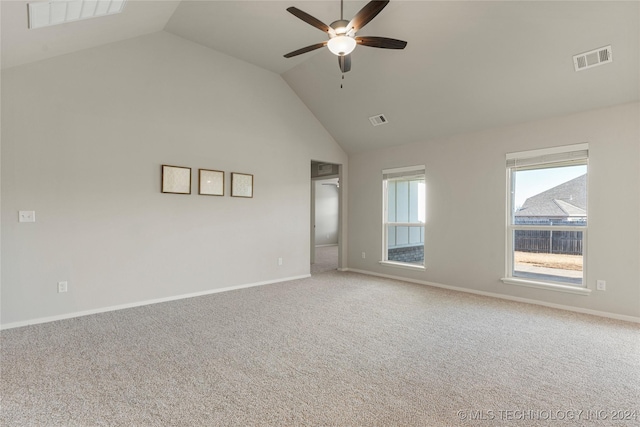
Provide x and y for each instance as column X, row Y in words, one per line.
column 310, row 19
column 381, row 42
column 367, row 13
column 305, row 49
column 345, row 63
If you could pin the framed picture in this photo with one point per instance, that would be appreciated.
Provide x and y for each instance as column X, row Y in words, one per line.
column 176, row 179
column 241, row 185
column 211, row 182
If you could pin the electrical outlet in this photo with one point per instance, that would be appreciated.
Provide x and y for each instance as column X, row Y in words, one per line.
column 63, row 287
column 280, row 261
column 26, row 216
column 364, row 255
column 601, row 285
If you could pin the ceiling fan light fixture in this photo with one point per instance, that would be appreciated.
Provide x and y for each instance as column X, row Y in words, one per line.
column 342, row 34
column 341, row 45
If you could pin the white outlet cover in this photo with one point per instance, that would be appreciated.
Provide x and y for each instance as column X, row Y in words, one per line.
column 27, row 216
column 63, row 287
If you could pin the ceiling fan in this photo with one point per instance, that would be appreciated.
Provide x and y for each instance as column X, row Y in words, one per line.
column 342, row 34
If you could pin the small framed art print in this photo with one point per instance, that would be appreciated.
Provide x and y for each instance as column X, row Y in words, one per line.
column 241, row 185
column 176, row 179
column 211, row 182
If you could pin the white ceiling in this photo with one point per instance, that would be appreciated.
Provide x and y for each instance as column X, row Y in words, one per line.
column 20, row 45
column 468, row 65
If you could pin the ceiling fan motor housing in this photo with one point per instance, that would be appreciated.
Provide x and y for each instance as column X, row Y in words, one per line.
column 341, row 27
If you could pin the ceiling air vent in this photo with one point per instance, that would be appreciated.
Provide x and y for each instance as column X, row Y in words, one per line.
column 378, row 120
column 593, row 58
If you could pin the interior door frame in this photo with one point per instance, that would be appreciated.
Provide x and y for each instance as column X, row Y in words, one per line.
column 312, row 231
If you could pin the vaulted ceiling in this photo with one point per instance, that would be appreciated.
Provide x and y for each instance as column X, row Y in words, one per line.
column 468, row 65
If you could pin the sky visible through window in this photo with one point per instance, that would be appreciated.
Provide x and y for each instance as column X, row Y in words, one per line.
column 531, row 182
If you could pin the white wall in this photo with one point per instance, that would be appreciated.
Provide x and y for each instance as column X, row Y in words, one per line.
column 83, row 138
column 466, row 192
column 326, row 215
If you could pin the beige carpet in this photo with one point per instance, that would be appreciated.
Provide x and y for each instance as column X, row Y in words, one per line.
column 337, row 349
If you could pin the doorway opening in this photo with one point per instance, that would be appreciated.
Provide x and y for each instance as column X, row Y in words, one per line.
column 325, row 217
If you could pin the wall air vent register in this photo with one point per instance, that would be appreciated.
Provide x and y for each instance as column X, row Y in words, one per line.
column 593, row 58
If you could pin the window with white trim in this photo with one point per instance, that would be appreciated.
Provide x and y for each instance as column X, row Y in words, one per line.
column 403, row 216
column 547, row 217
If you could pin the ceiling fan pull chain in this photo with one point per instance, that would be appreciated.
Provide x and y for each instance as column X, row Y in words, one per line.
column 342, row 79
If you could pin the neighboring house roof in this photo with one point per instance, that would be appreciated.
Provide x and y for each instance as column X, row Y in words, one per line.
column 568, row 199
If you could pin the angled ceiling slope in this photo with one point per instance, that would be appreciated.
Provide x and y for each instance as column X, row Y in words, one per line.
column 259, row 32
column 469, row 65
column 21, row 45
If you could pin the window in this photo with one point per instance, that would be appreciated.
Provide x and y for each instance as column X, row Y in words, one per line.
column 403, row 216
column 547, row 218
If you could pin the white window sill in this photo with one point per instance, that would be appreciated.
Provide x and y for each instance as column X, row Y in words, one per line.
column 403, row 265
column 546, row 285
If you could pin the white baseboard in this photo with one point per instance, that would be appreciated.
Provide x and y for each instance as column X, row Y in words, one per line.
column 146, row 302
column 626, row 318
column 287, row 279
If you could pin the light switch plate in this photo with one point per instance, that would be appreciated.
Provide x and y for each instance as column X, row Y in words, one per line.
column 27, row 216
